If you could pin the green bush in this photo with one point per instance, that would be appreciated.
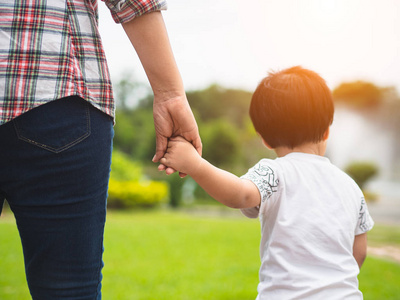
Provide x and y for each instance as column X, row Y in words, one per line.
column 132, row 194
column 359, row 93
column 361, row 172
column 127, row 190
column 123, row 168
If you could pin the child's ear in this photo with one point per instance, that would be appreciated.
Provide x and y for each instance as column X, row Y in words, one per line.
column 326, row 135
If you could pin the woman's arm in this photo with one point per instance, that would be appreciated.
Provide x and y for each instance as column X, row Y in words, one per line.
column 172, row 113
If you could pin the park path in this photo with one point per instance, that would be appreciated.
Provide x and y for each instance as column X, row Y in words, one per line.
column 386, row 211
column 390, row 252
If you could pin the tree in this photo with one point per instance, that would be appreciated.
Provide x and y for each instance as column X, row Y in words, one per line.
column 129, row 92
column 216, row 102
column 360, row 93
column 134, row 133
column 361, row 172
column 221, row 142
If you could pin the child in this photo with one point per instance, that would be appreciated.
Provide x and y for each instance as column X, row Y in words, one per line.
column 313, row 216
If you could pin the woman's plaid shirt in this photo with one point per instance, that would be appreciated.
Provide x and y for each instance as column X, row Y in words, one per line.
column 50, row 49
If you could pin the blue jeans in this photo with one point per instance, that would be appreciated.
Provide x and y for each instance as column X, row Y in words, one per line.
column 54, row 170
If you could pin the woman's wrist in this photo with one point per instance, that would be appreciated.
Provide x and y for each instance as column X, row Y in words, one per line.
column 161, row 95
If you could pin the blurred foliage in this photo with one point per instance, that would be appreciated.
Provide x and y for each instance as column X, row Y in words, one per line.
column 128, row 91
column 361, row 172
column 128, row 190
column 216, row 102
column 133, row 194
column 123, row 168
column 228, row 136
column 221, row 143
column 134, row 133
column 359, row 93
column 175, row 184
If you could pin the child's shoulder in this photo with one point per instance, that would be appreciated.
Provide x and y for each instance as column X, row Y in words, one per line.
column 266, row 164
column 265, row 169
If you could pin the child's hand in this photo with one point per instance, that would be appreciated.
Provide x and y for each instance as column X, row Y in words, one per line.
column 181, row 156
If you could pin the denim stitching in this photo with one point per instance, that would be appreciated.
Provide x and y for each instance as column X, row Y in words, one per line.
column 65, row 147
column 100, row 275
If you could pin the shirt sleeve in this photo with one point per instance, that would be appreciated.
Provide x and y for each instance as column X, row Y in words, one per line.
column 265, row 178
column 365, row 222
column 126, row 10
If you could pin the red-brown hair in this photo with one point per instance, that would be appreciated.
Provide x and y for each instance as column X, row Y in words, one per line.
column 292, row 107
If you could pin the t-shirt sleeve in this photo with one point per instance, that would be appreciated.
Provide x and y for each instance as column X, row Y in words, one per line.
column 265, row 179
column 365, row 222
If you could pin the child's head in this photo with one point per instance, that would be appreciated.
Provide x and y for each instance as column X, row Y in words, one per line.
column 292, row 107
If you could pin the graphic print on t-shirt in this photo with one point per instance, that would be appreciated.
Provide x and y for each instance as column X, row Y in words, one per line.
column 267, row 179
column 364, row 224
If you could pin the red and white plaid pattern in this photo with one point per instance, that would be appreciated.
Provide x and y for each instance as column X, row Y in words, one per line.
column 51, row 49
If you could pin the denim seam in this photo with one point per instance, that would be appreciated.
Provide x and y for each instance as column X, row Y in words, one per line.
column 101, row 265
column 65, row 147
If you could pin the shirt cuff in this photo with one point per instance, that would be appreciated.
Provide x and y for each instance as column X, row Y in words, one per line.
column 126, row 10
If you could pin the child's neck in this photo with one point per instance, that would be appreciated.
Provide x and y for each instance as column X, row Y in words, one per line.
column 310, row 148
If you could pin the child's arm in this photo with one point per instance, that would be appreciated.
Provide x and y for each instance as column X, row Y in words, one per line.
column 223, row 186
column 360, row 248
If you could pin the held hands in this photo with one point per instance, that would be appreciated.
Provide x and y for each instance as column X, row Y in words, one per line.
column 181, row 156
column 173, row 118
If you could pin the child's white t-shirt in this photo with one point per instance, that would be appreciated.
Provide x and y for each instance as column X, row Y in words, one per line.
column 310, row 212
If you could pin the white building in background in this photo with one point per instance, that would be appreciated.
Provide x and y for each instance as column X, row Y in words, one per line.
column 367, row 134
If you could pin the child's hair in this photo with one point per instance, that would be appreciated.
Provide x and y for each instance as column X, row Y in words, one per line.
column 292, row 107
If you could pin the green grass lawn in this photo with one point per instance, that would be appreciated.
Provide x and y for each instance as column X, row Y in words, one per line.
column 172, row 255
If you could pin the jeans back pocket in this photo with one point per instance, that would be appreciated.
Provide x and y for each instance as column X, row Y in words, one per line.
column 55, row 126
